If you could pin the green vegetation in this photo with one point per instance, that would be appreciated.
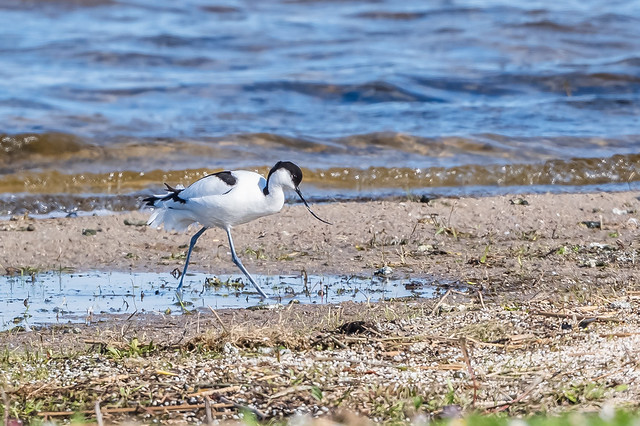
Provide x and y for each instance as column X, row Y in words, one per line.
column 133, row 349
column 606, row 417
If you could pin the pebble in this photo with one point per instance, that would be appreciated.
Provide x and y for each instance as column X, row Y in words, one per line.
column 361, row 368
column 620, row 304
column 229, row 349
column 385, row 271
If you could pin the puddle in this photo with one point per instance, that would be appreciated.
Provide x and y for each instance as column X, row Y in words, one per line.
column 60, row 298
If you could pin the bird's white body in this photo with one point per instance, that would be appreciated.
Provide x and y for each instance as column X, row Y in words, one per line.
column 212, row 202
column 224, row 200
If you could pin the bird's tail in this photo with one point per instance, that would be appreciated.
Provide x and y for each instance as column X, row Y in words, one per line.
column 171, row 194
column 167, row 210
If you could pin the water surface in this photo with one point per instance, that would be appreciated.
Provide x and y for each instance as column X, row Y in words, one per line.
column 105, row 99
column 61, row 298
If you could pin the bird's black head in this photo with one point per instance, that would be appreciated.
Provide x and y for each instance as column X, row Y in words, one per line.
column 296, row 178
column 296, row 173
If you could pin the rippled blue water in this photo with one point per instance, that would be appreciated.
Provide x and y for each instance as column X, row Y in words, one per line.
column 366, row 94
column 320, row 69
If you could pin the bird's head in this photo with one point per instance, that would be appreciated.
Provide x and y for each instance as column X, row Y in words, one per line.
column 288, row 175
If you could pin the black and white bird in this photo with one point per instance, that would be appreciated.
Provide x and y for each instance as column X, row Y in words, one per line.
column 224, row 200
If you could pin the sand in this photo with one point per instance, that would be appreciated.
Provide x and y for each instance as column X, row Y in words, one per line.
column 507, row 243
column 524, row 272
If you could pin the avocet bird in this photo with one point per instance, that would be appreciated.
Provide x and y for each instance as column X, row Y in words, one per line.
column 224, row 200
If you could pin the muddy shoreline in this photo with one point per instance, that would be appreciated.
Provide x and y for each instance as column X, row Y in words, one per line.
column 547, row 319
column 457, row 238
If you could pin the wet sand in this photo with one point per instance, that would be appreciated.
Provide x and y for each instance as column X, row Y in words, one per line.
column 538, row 306
column 503, row 244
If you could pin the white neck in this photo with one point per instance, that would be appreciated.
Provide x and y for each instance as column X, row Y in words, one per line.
column 275, row 197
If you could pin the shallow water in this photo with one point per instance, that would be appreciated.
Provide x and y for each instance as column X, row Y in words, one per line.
column 111, row 98
column 61, row 298
column 54, row 194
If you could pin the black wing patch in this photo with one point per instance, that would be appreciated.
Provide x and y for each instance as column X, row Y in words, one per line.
column 174, row 195
column 226, row 176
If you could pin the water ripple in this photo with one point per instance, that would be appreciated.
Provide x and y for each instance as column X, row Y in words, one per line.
column 466, row 89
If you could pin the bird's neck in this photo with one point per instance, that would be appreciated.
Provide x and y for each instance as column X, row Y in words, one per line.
column 274, row 197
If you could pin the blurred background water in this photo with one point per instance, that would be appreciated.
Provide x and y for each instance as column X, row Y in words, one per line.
column 103, row 100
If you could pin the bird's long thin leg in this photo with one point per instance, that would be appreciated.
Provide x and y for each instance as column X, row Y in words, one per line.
column 239, row 264
column 186, row 263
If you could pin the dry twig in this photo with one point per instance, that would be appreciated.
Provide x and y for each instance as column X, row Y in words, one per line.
column 209, row 392
column 435, row 308
column 259, row 414
column 151, row 409
column 207, row 410
column 219, row 319
column 99, row 418
column 523, row 395
column 576, row 316
column 5, row 400
column 467, row 360
column 481, row 300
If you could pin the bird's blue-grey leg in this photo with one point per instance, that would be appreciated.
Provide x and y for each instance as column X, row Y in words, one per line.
column 239, row 264
column 186, row 263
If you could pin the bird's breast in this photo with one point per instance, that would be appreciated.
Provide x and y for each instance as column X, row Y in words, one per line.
column 238, row 206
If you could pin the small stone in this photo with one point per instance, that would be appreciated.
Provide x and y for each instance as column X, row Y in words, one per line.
column 459, row 375
column 445, row 307
column 593, row 263
column 385, row 271
column 425, row 247
column 602, row 246
column 620, row 304
column 585, row 322
column 230, row 349
column 285, row 352
column 451, row 411
column 135, row 222
column 519, row 202
column 591, row 224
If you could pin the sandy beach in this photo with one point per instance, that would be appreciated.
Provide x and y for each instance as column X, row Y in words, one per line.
column 490, row 240
column 540, row 314
column 439, row 290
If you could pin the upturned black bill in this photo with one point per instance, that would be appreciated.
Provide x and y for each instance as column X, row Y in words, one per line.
column 309, row 208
